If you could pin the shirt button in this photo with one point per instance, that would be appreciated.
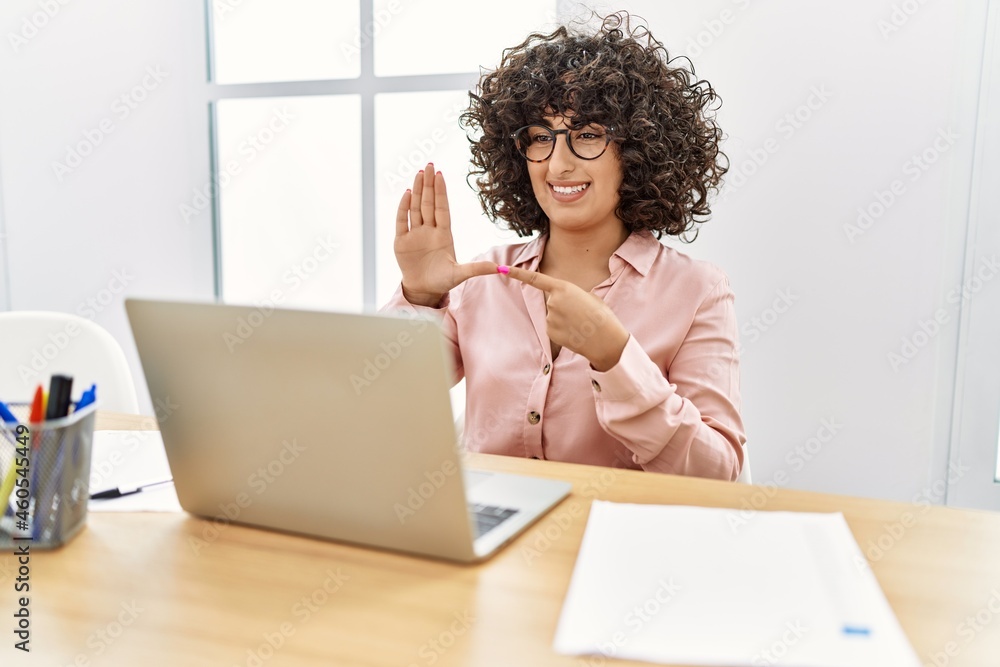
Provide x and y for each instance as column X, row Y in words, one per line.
column 548, row 367
column 534, row 417
column 597, row 387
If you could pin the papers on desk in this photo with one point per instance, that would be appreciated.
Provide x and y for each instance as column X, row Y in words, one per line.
column 701, row 586
column 128, row 459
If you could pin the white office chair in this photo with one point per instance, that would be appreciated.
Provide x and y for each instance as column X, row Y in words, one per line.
column 35, row 345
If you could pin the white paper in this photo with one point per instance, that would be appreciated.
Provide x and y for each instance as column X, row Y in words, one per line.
column 702, row 586
column 127, row 459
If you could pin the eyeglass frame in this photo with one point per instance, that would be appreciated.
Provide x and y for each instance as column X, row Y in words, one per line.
column 569, row 142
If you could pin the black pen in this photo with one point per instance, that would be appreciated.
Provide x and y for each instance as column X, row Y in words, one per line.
column 118, row 492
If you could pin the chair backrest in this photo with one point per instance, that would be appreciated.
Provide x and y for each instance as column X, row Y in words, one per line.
column 744, row 477
column 35, row 345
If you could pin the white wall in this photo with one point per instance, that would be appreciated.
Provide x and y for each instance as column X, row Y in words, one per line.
column 781, row 232
column 79, row 241
column 879, row 96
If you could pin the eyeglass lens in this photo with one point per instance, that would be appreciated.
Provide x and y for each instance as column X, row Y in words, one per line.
column 537, row 142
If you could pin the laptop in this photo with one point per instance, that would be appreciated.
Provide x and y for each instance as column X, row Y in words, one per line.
column 326, row 424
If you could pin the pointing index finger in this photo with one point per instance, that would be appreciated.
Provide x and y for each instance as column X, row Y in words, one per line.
column 534, row 278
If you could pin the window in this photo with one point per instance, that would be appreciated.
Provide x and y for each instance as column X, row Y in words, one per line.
column 975, row 434
column 322, row 112
column 290, row 200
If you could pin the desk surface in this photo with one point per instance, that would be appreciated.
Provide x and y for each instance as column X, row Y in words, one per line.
column 170, row 589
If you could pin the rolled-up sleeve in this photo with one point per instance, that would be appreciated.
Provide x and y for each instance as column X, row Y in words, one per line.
column 684, row 419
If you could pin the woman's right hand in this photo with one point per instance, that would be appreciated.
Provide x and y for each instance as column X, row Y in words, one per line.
column 424, row 247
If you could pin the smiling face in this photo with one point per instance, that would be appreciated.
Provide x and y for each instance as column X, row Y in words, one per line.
column 577, row 194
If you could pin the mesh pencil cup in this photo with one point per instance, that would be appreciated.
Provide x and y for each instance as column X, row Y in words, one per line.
column 48, row 502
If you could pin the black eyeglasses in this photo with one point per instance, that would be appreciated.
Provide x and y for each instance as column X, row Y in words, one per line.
column 536, row 142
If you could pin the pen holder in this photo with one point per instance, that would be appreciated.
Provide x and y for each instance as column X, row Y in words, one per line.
column 48, row 502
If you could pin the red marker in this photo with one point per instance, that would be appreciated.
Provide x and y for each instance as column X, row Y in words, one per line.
column 37, row 407
column 35, row 422
column 37, row 411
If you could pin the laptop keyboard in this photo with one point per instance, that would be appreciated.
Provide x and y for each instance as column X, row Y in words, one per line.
column 489, row 517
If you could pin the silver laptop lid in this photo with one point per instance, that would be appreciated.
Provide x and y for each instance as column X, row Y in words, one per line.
column 328, row 424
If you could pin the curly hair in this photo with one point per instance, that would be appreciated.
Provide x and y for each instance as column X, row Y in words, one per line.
column 622, row 78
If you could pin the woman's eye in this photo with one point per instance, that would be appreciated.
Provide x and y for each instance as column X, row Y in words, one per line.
column 589, row 136
column 541, row 138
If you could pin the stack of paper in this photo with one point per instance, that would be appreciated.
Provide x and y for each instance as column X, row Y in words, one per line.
column 700, row 586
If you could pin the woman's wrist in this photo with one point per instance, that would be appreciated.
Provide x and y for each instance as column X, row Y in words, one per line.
column 422, row 299
column 610, row 354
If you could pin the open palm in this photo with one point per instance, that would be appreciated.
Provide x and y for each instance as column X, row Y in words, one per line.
column 424, row 246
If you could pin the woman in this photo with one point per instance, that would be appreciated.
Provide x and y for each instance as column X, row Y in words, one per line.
column 595, row 343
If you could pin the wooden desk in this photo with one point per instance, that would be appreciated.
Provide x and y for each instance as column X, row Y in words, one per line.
column 131, row 590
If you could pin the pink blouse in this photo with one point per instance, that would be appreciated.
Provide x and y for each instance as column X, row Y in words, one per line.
column 671, row 404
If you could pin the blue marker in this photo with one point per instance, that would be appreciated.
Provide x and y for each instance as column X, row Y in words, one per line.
column 89, row 396
column 6, row 414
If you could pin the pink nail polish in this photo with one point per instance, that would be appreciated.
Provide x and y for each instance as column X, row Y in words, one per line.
column 503, row 269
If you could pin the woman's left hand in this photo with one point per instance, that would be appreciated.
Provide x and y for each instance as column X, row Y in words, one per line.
column 578, row 320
